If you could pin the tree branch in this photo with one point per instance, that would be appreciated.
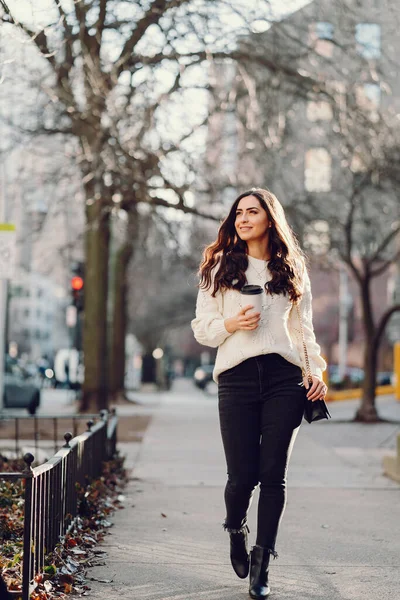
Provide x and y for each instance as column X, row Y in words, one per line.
column 385, row 265
column 150, row 110
column 348, row 230
column 153, row 15
column 99, row 25
column 384, row 243
column 155, row 201
column 6, row 9
column 238, row 55
column 383, row 322
column 69, row 57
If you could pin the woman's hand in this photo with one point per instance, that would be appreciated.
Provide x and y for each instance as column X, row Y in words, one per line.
column 243, row 321
column 317, row 390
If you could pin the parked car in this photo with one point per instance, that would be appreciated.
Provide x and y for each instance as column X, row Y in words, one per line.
column 354, row 377
column 203, row 377
column 385, row 378
column 21, row 390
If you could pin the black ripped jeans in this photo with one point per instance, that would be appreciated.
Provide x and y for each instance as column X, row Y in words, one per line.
column 261, row 406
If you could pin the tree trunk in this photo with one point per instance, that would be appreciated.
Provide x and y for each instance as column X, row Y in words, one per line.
column 95, row 389
column 367, row 412
column 119, row 308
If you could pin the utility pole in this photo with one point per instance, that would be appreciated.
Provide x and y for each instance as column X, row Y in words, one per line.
column 7, row 256
column 3, row 297
column 343, row 328
column 344, row 305
column 393, row 329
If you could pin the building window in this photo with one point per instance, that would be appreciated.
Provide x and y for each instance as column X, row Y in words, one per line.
column 319, row 111
column 368, row 39
column 17, row 291
column 317, row 237
column 38, row 313
column 321, row 38
column 324, row 30
column 318, row 170
column 357, row 164
column 26, row 312
column 368, row 96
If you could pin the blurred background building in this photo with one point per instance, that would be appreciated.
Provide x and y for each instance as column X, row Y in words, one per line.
column 39, row 292
column 36, row 326
column 272, row 135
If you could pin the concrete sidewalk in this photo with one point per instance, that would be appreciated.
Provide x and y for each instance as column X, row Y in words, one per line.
column 339, row 538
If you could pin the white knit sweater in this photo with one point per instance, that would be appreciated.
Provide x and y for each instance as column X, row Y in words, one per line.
column 278, row 331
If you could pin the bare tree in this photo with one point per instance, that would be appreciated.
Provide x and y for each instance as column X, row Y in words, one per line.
column 366, row 239
column 119, row 79
column 108, row 78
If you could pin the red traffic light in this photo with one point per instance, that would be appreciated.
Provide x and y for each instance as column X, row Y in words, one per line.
column 77, row 283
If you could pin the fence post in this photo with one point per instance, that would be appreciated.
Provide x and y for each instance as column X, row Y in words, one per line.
column 67, row 438
column 16, row 438
column 112, row 435
column 26, row 559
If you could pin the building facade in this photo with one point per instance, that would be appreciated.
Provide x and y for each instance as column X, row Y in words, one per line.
column 49, row 231
column 310, row 109
column 36, row 315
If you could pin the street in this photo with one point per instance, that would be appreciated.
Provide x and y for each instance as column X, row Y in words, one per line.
column 338, row 538
column 54, row 403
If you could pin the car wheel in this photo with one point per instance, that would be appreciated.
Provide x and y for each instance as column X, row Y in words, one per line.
column 34, row 404
column 211, row 388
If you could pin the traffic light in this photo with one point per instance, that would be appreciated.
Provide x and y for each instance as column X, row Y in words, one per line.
column 77, row 289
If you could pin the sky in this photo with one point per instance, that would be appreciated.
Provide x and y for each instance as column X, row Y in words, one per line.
column 25, row 9
column 194, row 105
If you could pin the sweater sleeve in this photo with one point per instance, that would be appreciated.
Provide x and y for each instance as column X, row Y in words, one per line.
column 208, row 325
column 317, row 363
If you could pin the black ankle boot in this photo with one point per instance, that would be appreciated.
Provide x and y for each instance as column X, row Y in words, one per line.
column 239, row 551
column 259, row 565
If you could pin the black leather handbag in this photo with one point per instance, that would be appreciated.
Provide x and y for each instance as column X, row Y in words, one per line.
column 317, row 409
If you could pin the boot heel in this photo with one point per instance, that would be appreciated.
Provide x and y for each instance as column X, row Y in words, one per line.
column 259, row 566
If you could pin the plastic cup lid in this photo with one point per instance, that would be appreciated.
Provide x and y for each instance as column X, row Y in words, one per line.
column 251, row 290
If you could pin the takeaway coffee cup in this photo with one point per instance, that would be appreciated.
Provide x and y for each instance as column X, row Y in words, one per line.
column 252, row 294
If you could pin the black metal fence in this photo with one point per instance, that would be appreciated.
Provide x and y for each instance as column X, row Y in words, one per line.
column 35, row 438
column 51, row 494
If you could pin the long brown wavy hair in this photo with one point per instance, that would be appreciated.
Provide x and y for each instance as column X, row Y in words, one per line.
column 229, row 253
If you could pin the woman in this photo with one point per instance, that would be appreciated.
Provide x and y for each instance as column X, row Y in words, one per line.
column 258, row 367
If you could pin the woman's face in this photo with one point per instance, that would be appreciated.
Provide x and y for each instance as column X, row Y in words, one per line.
column 251, row 221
